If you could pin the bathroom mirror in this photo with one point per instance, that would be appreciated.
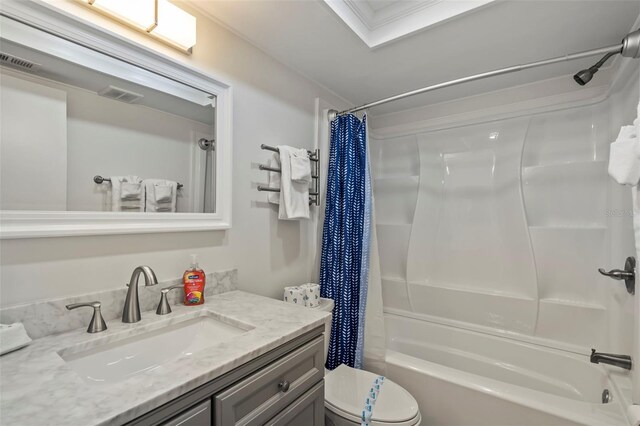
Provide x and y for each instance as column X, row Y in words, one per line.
column 100, row 135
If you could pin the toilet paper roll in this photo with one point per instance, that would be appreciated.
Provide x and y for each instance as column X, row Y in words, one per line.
column 312, row 293
column 295, row 295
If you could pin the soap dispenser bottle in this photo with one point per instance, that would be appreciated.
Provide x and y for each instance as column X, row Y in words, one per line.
column 194, row 282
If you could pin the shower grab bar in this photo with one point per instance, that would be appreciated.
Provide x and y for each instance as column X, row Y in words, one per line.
column 99, row 179
column 314, row 156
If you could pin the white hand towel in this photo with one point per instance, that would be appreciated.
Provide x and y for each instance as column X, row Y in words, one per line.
column 274, row 179
column 295, row 295
column 163, row 193
column 151, row 202
column 300, row 166
column 294, row 196
column 624, row 157
column 633, row 413
column 312, row 294
column 121, row 197
column 13, row 337
column 130, row 191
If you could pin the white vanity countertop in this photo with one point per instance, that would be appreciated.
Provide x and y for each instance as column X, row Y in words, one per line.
column 37, row 387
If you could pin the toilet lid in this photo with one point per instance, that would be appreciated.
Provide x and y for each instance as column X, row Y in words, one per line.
column 346, row 389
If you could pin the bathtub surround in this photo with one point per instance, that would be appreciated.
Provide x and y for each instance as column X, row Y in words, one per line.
column 529, row 184
column 48, row 317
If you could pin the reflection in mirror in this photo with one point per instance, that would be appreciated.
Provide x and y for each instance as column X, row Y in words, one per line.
column 77, row 139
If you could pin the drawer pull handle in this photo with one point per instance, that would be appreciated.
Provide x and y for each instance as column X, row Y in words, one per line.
column 284, row 386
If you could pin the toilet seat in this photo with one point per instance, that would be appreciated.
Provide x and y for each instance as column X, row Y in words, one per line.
column 356, row 420
column 347, row 388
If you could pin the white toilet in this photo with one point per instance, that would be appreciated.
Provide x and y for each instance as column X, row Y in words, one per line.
column 346, row 388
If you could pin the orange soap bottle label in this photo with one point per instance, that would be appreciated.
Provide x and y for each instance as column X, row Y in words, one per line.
column 194, row 281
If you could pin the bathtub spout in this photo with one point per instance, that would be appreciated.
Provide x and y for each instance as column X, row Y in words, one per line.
column 622, row 361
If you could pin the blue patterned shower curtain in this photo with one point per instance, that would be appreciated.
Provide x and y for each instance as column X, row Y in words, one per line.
column 345, row 239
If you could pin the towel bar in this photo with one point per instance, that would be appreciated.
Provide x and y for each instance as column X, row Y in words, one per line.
column 99, row 179
column 272, row 169
column 314, row 156
column 268, row 189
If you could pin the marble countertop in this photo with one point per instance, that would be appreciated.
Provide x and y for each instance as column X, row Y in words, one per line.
column 37, row 387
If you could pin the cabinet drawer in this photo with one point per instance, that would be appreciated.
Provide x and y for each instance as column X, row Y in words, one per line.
column 261, row 396
column 200, row 415
column 308, row 410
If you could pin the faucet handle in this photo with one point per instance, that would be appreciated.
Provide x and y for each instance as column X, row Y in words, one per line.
column 628, row 274
column 163, row 307
column 97, row 323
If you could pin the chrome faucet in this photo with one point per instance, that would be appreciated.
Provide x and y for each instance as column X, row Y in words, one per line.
column 131, row 311
column 622, row 361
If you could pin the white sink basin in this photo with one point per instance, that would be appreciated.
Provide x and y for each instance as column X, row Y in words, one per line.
column 115, row 361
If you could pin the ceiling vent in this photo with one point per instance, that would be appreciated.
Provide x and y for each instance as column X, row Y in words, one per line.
column 119, row 94
column 15, row 62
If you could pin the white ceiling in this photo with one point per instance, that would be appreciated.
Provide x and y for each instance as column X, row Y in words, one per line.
column 309, row 37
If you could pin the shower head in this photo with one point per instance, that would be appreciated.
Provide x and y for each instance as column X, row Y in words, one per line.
column 585, row 76
column 630, row 48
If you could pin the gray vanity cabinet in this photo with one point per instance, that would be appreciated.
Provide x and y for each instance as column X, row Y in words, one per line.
column 306, row 410
column 259, row 397
column 284, row 387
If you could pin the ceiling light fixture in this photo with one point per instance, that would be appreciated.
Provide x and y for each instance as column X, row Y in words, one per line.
column 158, row 18
column 175, row 25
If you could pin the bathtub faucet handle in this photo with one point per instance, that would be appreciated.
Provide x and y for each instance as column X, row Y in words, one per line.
column 628, row 274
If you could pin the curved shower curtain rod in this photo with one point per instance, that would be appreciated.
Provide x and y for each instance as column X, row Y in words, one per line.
column 629, row 47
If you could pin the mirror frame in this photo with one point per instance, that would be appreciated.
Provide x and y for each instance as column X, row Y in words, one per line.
column 34, row 21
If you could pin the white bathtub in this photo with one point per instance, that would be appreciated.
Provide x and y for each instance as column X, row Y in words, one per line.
column 461, row 377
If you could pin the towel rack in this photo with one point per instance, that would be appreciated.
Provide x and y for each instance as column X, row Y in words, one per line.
column 99, row 179
column 314, row 156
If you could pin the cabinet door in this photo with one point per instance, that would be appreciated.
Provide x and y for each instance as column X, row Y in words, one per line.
column 308, row 410
column 259, row 397
column 200, row 415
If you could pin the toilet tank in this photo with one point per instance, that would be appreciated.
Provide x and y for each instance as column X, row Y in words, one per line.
column 326, row 305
